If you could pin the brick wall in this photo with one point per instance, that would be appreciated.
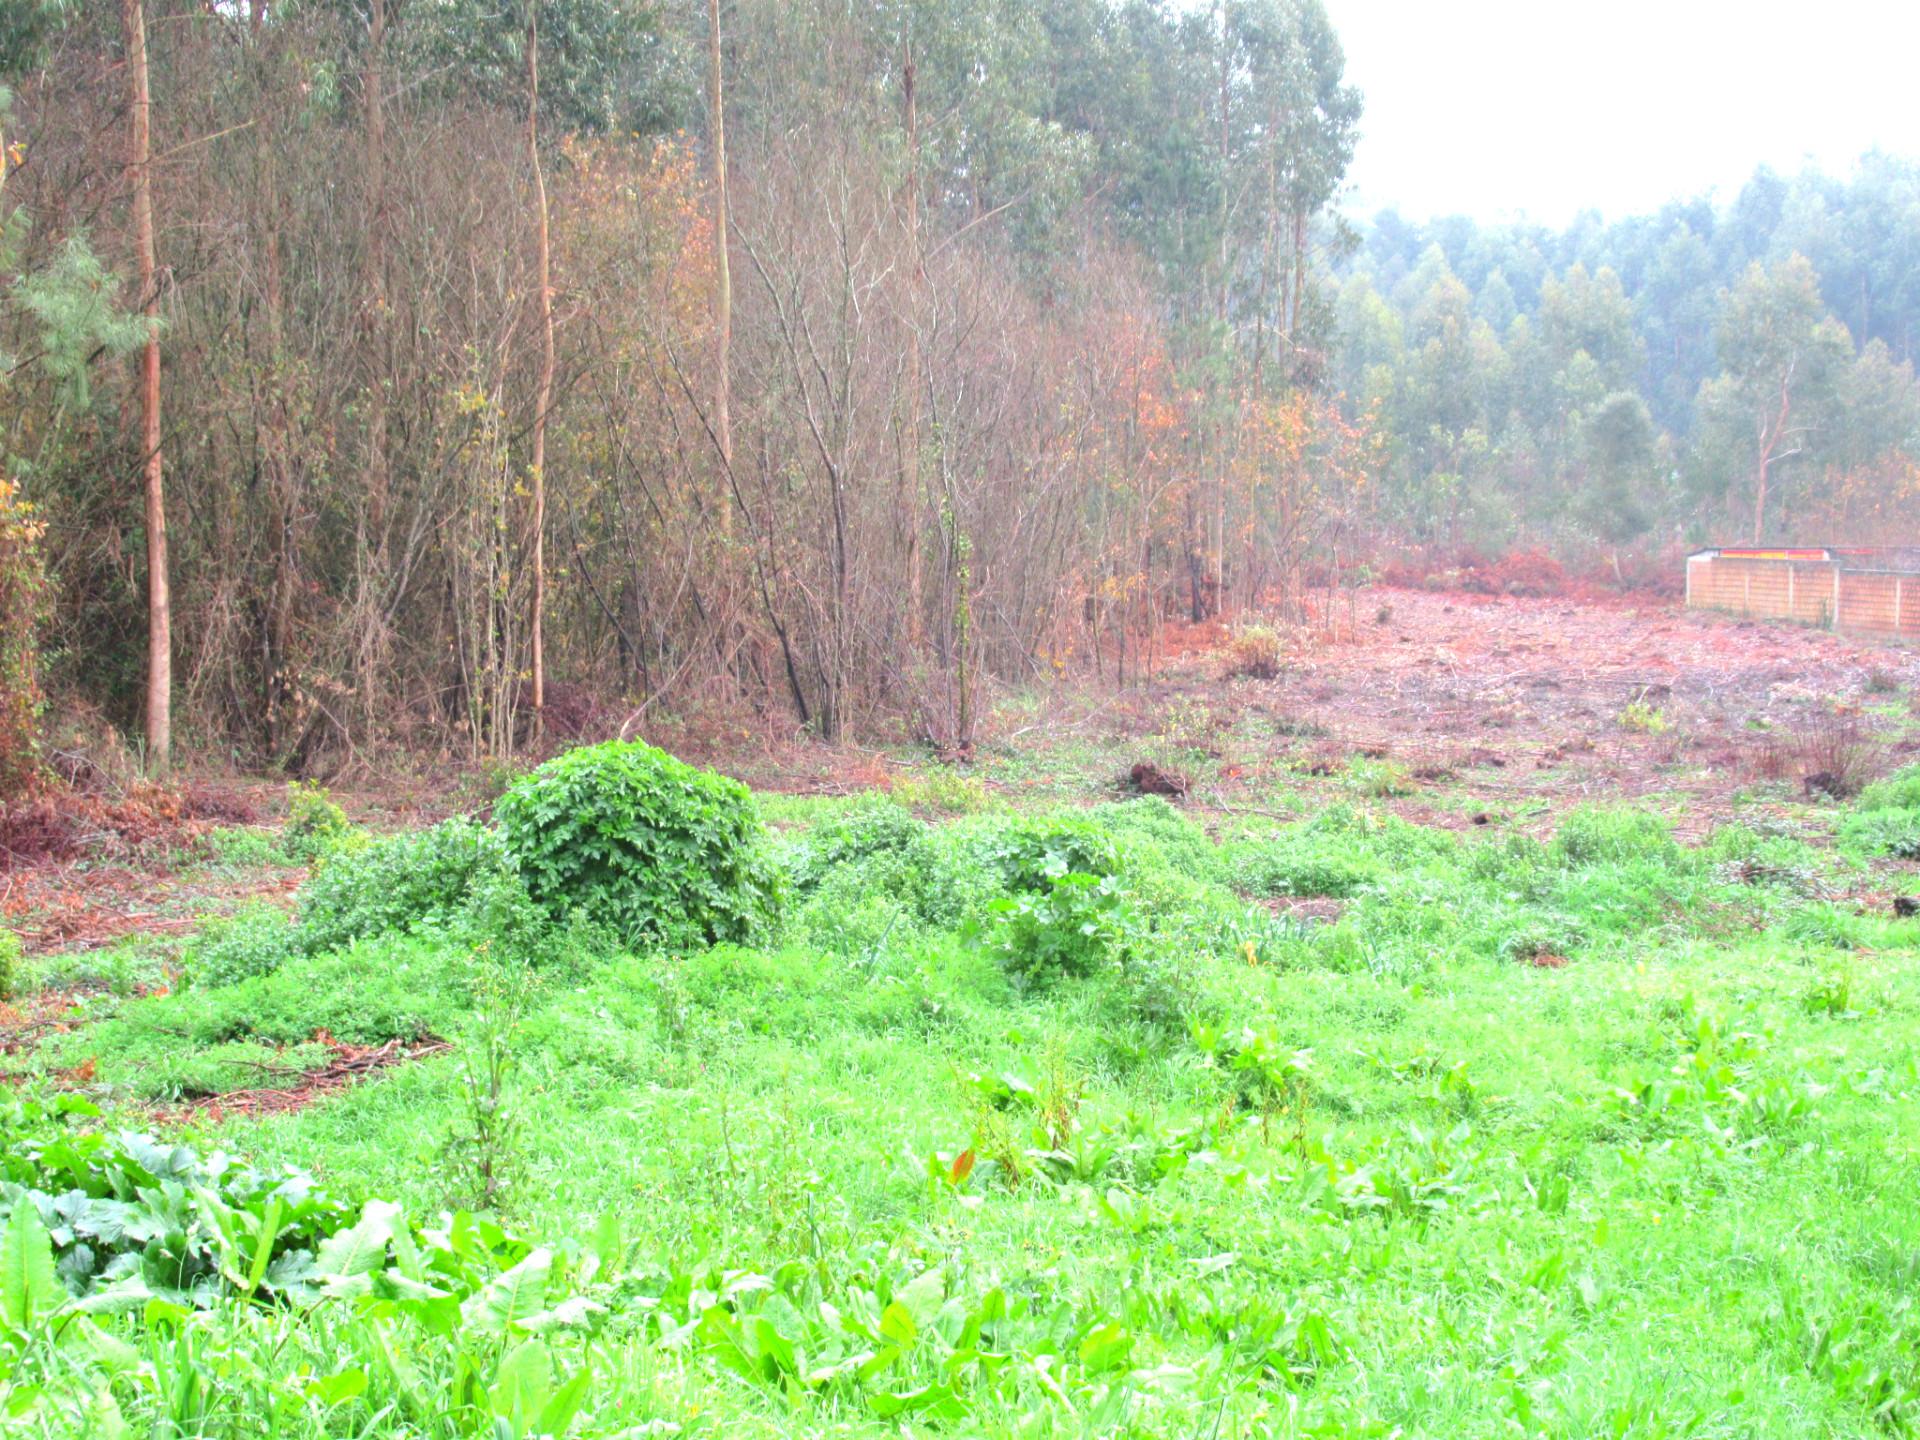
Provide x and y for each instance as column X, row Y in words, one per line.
column 1880, row 602
column 1810, row 592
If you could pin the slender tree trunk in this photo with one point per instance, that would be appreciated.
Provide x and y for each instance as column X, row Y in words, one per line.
column 1226, row 161
column 1215, row 526
column 1770, row 436
column 275, row 441
column 536, row 638
column 159, row 708
column 370, row 543
column 1299, row 272
column 722, row 271
column 910, row 445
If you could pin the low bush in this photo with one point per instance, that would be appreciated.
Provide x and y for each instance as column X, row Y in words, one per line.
column 1891, row 833
column 1338, row 853
column 243, row 845
column 129, row 1212
column 1644, row 718
column 186, row 1042
column 941, row 791
column 873, row 827
column 1286, row 866
column 1077, row 925
column 1152, row 823
column 1899, row 791
column 256, row 940
column 1593, row 835
column 1839, row 755
column 643, row 843
column 9, row 962
column 422, row 878
column 1256, row 652
column 316, row 825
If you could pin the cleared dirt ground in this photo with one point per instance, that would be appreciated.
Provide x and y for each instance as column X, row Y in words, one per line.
column 1448, row 708
column 1458, row 709
column 1512, row 692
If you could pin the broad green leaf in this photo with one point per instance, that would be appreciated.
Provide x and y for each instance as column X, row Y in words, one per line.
column 897, row 1324
column 512, row 1297
column 406, row 1377
column 572, row 1313
column 129, row 1294
column 104, row 1420
column 936, row 1402
column 776, row 1351
column 110, row 1352
column 362, row 1249
column 922, row 1296
column 557, row 1414
column 29, row 1289
column 722, row 1338
column 522, row 1385
column 263, row 1248
column 1105, row 1347
column 336, row 1389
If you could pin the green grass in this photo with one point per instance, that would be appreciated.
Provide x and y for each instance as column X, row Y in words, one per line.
column 1598, row 1136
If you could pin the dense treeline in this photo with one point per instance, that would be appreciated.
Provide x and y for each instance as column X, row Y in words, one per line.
column 1712, row 372
column 991, row 333
column 385, row 373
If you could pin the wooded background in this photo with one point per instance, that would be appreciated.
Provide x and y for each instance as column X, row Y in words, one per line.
column 820, row 357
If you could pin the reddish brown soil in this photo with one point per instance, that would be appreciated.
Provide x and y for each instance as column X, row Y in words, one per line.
column 349, row 1066
column 85, row 906
column 1507, row 699
column 1497, row 709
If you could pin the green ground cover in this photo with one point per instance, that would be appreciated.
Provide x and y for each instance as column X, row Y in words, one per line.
column 1008, row 1123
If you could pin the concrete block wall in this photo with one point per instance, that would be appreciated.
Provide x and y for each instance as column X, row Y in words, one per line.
column 1824, row 593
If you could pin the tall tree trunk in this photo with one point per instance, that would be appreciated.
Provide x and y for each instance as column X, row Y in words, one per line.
column 722, row 272
column 536, row 637
column 1771, row 434
column 1215, row 526
column 370, row 542
column 275, row 440
column 159, row 708
column 910, row 444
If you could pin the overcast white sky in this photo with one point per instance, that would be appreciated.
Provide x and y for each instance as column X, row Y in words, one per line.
column 1494, row 108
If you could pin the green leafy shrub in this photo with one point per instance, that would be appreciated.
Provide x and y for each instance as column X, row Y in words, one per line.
column 185, row 1042
column 1028, row 855
column 1594, row 835
column 863, row 875
column 642, row 842
column 872, row 828
column 1826, row 925
column 1543, row 940
column 1076, row 926
column 1643, row 718
column 1338, row 853
column 1894, row 833
column 941, row 791
column 1377, row 779
column 316, row 826
column 9, row 962
column 242, row 845
column 426, row 877
column 130, row 1212
column 256, row 940
column 1256, row 652
column 1899, row 791
column 1153, row 823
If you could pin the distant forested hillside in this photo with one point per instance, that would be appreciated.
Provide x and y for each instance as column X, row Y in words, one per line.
column 1637, row 377
column 386, row 374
